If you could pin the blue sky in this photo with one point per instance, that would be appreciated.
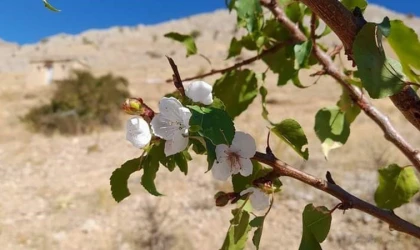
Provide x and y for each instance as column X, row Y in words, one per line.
column 27, row 21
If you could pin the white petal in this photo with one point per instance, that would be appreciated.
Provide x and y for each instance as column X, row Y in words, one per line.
column 248, row 190
column 244, row 145
column 185, row 115
column 169, row 108
column 200, row 91
column 176, row 145
column 221, row 151
column 259, row 200
column 221, row 170
column 138, row 132
column 162, row 128
column 246, row 167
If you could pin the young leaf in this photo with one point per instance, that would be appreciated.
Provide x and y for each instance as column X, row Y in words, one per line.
column 397, row 185
column 220, row 132
column 181, row 160
column 235, row 48
column 282, row 62
column 187, row 40
column 302, row 54
column 407, row 49
column 50, row 7
column 316, row 225
column 257, row 222
column 237, row 89
column 263, row 93
column 351, row 4
column 237, row 234
column 150, row 166
column 249, row 11
column 120, row 177
column 292, row 133
column 350, row 108
column 332, row 128
column 381, row 76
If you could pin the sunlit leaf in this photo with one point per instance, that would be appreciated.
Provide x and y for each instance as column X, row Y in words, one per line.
column 348, row 106
column 237, row 89
column 235, row 48
column 187, row 40
column 397, row 185
column 237, row 234
column 50, row 7
column 381, row 76
column 292, row 133
column 119, row 179
column 316, row 226
column 302, row 53
column 405, row 42
column 351, row 4
column 249, row 11
column 332, row 128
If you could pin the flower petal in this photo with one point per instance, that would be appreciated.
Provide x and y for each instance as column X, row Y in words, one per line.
column 200, row 91
column 138, row 132
column 185, row 115
column 169, row 108
column 176, row 145
column 248, row 190
column 246, row 167
column 221, row 152
column 244, row 145
column 221, row 170
column 259, row 200
column 162, row 128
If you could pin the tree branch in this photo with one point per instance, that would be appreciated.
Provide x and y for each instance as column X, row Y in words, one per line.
column 250, row 60
column 349, row 201
column 390, row 133
column 346, row 26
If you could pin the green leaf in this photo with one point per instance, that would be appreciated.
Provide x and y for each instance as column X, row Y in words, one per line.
column 294, row 11
column 237, row 234
column 397, row 185
column 263, row 92
column 256, row 239
column 316, row 225
column 235, row 48
column 150, row 166
column 237, row 89
column 381, row 76
column 302, row 53
column 218, row 104
column 119, row 179
column 348, row 106
column 274, row 30
column 50, row 7
column 282, row 62
column 220, row 132
column 257, row 221
column 181, row 160
column 211, row 153
column 187, row 40
column 292, row 133
column 240, row 182
column 407, row 49
column 351, row 4
column 332, row 128
column 249, row 11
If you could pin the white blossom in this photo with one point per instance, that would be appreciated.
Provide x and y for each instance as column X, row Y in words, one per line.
column 138, row 132
column 200, row 91
column 172, row 124
column 259, row 199
column 235, row 158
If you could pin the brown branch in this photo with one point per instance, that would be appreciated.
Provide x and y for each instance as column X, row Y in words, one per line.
column 346, row 26
column 348, row 200
column 250, row 60
column 390, row 133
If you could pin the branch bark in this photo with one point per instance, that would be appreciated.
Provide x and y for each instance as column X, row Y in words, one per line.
column 346, row 26
column 390, row 133
column 250, row 60
column 350, row 201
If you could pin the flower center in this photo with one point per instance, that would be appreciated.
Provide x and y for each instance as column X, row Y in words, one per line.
column 233, row 159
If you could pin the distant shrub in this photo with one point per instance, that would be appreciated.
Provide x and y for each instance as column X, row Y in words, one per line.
column 153, row 54
column 87, row 41
column 80, row 104
column 195, row 33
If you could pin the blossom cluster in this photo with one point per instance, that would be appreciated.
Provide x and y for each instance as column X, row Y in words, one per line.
column 172, row 125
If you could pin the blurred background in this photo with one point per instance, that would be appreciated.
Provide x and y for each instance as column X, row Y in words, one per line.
column 63, row 77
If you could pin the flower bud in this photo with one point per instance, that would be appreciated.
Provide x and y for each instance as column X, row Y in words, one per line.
column 136, row 106
column 222, row 198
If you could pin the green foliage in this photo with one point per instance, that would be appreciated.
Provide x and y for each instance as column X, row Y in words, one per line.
column 257, row 222
column 150, row 165
column 397, row 185
column 49, row 6
column 221, row 132
column 120, row 177
column 235, row 48
column 316, row 225
column 187, row 40
column 302, row 53
column 81, row 104
column 292, row 133
column 404, row 41
column 240, row 182
column 351, row 4
column 237, row 89
column 381, row 76
column 249, row 13
column 238, row 231
column 350, row 108
column 332, row 128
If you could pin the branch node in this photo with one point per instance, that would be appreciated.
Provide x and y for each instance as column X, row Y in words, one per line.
column 329, row 178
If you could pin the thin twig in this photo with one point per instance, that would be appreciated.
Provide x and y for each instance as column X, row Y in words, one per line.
column 390, row 133
column 349, row 200
column 250, row 60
